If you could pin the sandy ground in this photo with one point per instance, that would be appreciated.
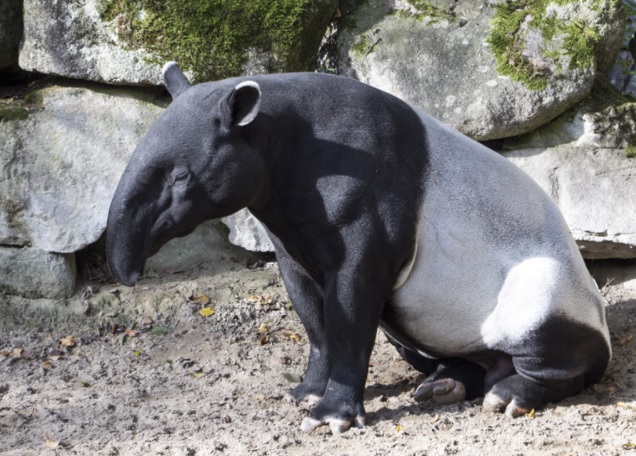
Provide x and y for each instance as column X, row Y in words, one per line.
column 197, row 362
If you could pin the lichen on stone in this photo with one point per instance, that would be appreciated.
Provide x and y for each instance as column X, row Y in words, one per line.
column 560, row 42
column 212, row 38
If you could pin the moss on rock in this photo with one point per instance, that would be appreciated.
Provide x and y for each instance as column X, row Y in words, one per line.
column 214, row 38
column 565, row 43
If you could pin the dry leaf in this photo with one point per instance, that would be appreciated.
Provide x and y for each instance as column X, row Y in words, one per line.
column 53, row 444
column 292, row 378
column 433, row 419
column 260, row 299
column 138, row 352
column 398, row 428
column 625, row 405
column 131, row 332
column 16, row 353
column 46, row 365
column 625, row 340
column 263, row 328
column 263, row 340
column 629, row 446
column 200, row 299
column 531, row 414
column 207, row 312
column 291, row 335
column 68, row 341
column 198, row 374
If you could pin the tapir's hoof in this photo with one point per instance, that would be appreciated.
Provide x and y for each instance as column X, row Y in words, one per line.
column 311, row 399
column 337, row 425
column 494, row 403
column 443, row 391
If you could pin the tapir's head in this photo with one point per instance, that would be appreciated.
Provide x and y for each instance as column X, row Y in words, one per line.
column 194, row 164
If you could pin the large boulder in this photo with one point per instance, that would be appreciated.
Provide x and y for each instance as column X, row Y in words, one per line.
column 595, row 190
column 126, row 42
column 10, row 32
column 491, row 69
column 33, row 273
column 60, row 162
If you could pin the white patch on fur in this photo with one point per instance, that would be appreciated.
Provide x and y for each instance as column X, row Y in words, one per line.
column 494, row 257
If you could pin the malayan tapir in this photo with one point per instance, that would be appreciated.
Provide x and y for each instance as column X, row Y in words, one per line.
column 381, row 216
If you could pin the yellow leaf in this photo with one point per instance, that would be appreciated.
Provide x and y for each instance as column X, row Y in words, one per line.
column 51, row 443
column 625, row 340
column 207, row 312
column 263, row 328
column 530, row 414
column 16, row 353
column 399, row 428
column 629, row 446
column 138, row 352
column 198, row 374
column 68, row 341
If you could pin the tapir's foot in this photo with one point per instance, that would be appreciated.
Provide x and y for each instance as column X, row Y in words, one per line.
column 444, row 391
column 517, row 395
column 305, row 392
column 459, row 380
column 339, row 416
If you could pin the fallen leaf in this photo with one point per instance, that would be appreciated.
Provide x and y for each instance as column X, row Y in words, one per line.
column 51, row 443
column 138, row 352
column 291, row 335
column 398, row 428
column 292, row 378
column 200, row 299
column 16, row 353
column 625, row 340
column 263, row 340
column 161, row 330
column 68, row 341
column 629, row 446
column 207, row 312
column 131, row 333
column 531, row 414
column 260, row 299
column 46, row 365
column 433, row 419
column 198, row 374
column 263, row 328
column 625, row 405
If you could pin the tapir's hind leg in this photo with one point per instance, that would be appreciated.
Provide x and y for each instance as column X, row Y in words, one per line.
column 555, row 361
column 456, row 381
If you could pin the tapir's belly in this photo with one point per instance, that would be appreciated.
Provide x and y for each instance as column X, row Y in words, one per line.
column 493, row 258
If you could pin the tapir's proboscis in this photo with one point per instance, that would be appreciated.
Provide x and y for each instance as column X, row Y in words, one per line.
column 381, row 217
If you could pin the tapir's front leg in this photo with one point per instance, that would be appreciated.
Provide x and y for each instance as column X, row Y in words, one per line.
column 352, row 309
column 307, row 299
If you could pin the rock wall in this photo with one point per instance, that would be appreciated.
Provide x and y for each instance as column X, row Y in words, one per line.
column 489, row 68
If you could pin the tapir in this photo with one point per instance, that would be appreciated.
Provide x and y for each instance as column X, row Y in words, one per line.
column 381, row 217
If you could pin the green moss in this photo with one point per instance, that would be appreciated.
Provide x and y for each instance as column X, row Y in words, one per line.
column 362, row 45
column 212, row 37
column 630, row 151
column 426, row 10
column 507, row 41
column 12, row 112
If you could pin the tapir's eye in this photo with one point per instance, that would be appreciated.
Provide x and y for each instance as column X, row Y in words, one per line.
column 179, row 177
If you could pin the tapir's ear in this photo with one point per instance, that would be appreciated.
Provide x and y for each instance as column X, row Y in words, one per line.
column 244, row 103
column 175, row 81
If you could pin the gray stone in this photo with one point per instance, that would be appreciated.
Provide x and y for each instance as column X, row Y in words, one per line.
column 60, row 166
column 247, row 232
column 69, row 39
column 595, row 190
column 207, row 245
column 33, row 273
column 443, row 63
column 10, row 31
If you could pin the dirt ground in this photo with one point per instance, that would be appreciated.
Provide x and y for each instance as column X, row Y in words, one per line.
column 197, row 362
